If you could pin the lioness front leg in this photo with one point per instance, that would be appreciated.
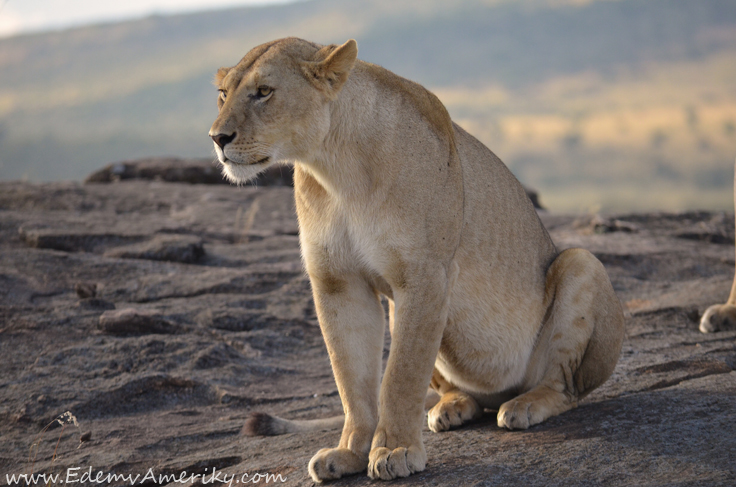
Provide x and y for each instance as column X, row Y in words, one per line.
column 352, row 321
column 579, row 343
column 420, row 317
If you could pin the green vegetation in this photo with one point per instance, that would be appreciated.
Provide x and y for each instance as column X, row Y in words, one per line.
column 615, row 104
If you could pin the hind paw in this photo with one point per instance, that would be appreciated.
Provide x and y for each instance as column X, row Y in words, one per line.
column 454, row 409
column 533, row 407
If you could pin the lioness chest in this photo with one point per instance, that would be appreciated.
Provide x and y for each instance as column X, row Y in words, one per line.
column 346, row 239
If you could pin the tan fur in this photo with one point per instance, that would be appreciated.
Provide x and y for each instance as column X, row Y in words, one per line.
column 720, row 317
column 393, row 198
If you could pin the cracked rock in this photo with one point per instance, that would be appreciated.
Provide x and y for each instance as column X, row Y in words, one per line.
column 172, row 248
column 169, row 384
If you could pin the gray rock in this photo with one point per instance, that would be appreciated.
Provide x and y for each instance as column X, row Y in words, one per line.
column 176, row 170
column 74, row 241
column 130, row 321
column 95, row 304
column 173, row 248
column 170, row 169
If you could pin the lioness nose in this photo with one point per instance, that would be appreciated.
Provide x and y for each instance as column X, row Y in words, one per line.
column 222, row 140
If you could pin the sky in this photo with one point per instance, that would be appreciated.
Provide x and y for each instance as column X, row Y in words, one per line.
column 21, row 16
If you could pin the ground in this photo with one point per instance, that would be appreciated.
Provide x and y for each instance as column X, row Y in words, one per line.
column 162, row 314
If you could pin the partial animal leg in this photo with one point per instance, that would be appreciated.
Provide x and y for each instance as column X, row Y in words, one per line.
column 579, row 343
column 263, row 424
column 352, row 322
column 722, row 316
column 454, row 408
column 421, row 307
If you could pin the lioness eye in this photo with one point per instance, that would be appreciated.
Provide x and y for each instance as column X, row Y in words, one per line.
column 223, row 94
column 264, row 91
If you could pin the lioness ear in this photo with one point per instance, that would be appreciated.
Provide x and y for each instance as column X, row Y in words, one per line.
column 221, row 73
column 331, row 73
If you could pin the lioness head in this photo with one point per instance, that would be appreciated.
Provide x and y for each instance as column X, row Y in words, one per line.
column 274, row 105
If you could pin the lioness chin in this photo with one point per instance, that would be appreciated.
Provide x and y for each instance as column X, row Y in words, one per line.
column 394, row 199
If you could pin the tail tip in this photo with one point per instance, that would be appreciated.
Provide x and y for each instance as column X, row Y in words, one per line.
column 260, row 424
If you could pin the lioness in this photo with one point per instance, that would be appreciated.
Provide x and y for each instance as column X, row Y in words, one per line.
column 394, row 199
column 720, row 317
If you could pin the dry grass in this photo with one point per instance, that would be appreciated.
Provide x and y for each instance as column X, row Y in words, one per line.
column 64, row 420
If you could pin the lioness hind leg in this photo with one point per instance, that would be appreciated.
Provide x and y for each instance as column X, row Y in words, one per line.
column 454, row 407
column 579, row 343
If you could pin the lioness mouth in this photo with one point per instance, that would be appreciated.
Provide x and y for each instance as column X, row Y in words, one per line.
column 261, row 161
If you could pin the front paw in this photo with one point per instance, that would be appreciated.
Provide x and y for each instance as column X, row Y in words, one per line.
column 387, row 464
column 454, row 409
column 333, row 463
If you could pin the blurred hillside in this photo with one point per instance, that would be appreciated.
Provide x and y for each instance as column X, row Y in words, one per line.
column 622, row 104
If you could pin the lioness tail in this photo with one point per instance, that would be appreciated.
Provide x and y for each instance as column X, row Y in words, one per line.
column 262, row 424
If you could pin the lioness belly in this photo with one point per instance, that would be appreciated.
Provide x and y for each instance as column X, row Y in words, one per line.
column 497, row 308
column 480, row 360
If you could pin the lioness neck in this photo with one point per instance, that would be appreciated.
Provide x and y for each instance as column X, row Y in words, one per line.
column 377, row 124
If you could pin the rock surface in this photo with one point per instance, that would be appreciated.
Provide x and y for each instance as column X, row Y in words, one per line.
column 161, row 360
column 177, row 170
column 200, row 171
